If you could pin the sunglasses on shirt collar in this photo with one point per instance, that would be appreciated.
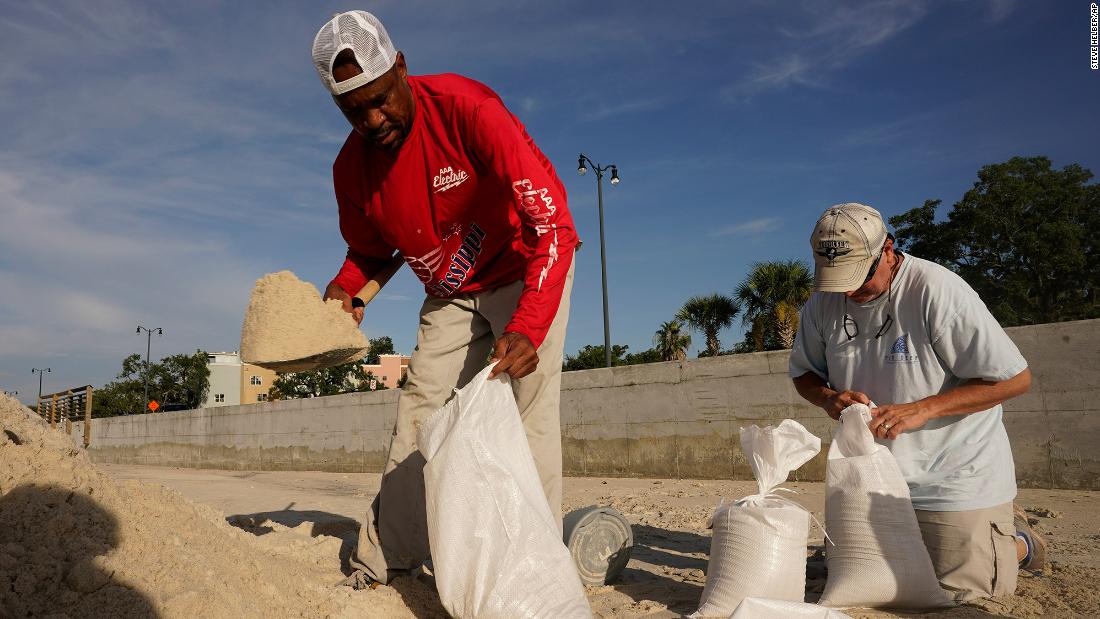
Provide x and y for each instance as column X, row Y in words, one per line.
column 849, row 323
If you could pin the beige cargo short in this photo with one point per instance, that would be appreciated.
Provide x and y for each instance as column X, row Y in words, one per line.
column 973, row 552
column 453, row 344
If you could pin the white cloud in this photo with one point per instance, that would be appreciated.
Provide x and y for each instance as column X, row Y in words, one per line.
column 753, row 226
column 604, row 109
column 884, row 134
column 1001, row 9
column 528, row 104
column 824, row 38
column 779, row 73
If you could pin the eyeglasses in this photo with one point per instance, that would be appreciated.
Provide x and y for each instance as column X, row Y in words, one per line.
column 874, row 265
column 850, row 324
column 871, row 271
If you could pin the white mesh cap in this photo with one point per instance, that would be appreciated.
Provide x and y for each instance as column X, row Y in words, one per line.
column 365, row 36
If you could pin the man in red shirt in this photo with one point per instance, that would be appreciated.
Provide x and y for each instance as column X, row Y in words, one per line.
column 439, row 170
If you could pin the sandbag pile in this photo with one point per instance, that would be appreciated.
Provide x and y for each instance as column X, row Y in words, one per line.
column 496, row 548
column 758, row 548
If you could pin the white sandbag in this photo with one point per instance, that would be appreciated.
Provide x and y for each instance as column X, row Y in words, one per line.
column 758, row 608
column 496, row 550
column 877, row 558
column 758, row 545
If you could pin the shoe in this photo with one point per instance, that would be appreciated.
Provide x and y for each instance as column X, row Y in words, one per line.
column 359, row 580
column 1036, row 559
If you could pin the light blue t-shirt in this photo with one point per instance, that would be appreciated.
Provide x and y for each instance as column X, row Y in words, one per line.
column 933, row 333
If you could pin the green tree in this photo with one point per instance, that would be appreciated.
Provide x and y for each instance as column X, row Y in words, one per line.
column 670, row 343
column 771, row 296
column 379, row 346
column 177, row 379
column 591, row 357
column 346, row 378
column 180, row 379
column 709, row 315
column 1024, row 237
column 650, row 355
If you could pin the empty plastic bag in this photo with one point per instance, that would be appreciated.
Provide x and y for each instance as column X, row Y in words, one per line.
column 496, row 550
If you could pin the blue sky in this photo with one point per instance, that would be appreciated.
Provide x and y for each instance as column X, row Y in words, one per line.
column 157, row 158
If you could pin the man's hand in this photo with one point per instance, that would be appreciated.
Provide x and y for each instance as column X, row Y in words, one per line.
column 514, row 355
column 335, row 292
column 887, row 422
column 841, row 400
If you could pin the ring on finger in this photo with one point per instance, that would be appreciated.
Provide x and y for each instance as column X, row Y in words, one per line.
column 886, row 426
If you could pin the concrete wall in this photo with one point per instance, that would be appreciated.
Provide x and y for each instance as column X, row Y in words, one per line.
column 679, row 419
column 345, row 433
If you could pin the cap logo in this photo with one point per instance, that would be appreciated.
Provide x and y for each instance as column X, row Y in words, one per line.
column 831, row 250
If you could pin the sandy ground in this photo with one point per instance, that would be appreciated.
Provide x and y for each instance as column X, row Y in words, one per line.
column 666, row 573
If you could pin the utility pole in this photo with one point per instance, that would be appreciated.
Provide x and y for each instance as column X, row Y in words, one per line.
column 38, row 402
column 148, row 347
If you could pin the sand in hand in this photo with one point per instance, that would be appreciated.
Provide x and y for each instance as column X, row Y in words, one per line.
column 288, row 328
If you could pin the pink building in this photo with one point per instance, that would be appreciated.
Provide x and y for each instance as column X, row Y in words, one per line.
column 390, row 370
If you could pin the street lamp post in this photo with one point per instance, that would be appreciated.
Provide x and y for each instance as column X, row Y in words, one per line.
column 581, row 169
column 39, row 371
column 148, row 346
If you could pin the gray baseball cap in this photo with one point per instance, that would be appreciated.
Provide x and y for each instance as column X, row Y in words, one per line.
column 847, row 239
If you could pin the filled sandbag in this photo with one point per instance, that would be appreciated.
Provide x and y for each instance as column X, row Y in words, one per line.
column 496, row 549
column 877, row 557
column 758, row 608
column 758, row 545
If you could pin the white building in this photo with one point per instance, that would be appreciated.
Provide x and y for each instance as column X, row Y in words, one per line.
column 225, row 379
column 233, row 382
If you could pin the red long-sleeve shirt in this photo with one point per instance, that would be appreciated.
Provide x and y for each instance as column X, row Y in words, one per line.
column 469, row 200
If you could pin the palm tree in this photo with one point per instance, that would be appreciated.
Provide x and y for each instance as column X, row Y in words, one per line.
column 771, row 296
column 670, row 344
column 709, row 315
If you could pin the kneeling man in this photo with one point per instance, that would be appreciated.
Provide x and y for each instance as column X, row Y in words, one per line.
column 915, row 339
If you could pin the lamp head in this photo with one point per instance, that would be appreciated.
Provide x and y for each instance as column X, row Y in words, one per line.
column 581, row 169
column 614, row 175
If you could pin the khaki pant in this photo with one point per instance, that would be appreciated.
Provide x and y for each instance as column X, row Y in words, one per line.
column 453, row 344
column 973, row 552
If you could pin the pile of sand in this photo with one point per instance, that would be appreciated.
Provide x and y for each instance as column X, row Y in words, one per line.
column 287, row 320
column 75, row 542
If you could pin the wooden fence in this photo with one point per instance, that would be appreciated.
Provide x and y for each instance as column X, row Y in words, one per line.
column 68, row 406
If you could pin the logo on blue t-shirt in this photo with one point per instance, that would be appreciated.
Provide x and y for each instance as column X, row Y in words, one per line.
column 899, row 353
